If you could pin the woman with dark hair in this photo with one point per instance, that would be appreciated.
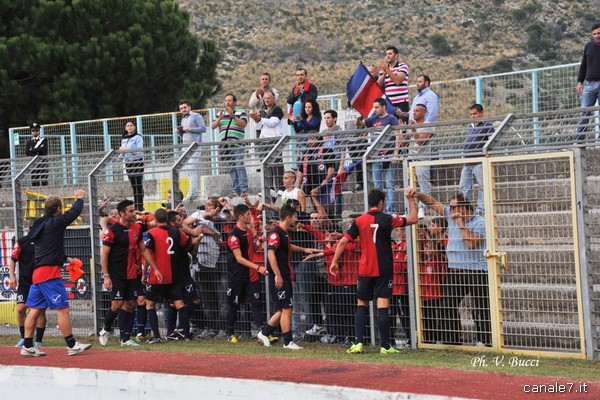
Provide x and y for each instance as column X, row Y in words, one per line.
column 134, row 162
column 309, row 119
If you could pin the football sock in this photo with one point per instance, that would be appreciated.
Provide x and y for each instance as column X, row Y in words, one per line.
column 184, row 320
column 232, row 312
column 142, row 316
column 22, row 331
column 70, row 341
column 287, row 337
column 28, row 343
column 360, row 322
column 257, row 315
column 153, row 319
column 121, row 325
column 383, row 323
column 171, row 319
column 39, row 334
column 268, row 330
column 109, row 319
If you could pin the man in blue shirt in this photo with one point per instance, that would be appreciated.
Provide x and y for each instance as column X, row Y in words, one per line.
column 477, row 135
column 190, row 130
column 383, row 169
column 467, row 267
column 427, row 97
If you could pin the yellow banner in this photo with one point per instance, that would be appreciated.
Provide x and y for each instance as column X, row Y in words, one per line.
column 35, row 205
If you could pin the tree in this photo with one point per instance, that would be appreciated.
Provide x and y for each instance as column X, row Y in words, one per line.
column 81, row 59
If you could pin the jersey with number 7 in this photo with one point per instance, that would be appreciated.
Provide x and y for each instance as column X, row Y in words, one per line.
column 374, row 228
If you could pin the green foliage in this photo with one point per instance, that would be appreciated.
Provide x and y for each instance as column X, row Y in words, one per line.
column 503, row 64
column 80, row 59
column 440, row 44
column 540, row 38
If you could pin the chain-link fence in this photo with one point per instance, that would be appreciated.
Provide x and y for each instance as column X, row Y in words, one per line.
column 520, row 291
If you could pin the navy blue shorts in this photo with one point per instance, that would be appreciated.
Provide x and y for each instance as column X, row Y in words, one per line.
column 243, row 292
column 23, row 292
column 49, row 294
column 126, row 289
column 170, row 291
column 282, row 298
column 370, row 287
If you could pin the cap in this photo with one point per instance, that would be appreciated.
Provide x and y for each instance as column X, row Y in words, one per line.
column 167, row 204
column 35, row 126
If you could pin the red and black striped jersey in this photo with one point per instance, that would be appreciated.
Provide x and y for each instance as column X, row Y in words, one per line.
column 375, row 231
column 239, row 239
column 123, row 242
column 169, row 246
column 279, row 241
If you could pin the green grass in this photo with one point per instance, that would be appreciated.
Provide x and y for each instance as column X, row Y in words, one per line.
column 454, row 359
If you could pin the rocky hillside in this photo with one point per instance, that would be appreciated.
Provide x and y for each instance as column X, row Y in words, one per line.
column 446, row 39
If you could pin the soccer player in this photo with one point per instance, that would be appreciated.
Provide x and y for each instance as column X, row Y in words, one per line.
column 243, row 284
column 47, row 289
column 169, row 247
column 119, row 271
column 24, row 253
column 375, row 273
column 280, row 275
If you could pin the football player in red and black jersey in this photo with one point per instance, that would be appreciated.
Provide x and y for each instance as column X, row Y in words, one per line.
column 281, row 275
column 120, row 242
column 24, row 253
column 169, row 247
column 243, row 284
column 375, row 272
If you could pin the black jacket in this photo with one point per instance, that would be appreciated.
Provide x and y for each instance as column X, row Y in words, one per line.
column 48, row 235
column 40, row 150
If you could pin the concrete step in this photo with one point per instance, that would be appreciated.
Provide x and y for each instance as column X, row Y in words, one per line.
column 541, row 336
column 548, row 298
column 549, row 227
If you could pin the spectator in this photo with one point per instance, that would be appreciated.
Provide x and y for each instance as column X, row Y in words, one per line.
column 206, row 274
column 268, row 125
column 257, row 102
column 318, row 167
column 399, row 307
column 301, row 92
column 589, row 71
column 394, row 79
column 467, row 266
column 420, row 144
column 427, row 97
column 190, row 130
column 383, row 170
column 231, row 122
column 373, row 71
column 432, row 274
column 38, row 146
column 477, row 135
column 134, row 162
column 309, row 119
column 375, row 274
column 292, row 192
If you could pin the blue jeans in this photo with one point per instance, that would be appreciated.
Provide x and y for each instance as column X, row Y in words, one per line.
column 466, row 183
column 302, row 286
column 589, row 97
column 385, row 170
column 424, row 180
column 233, row 157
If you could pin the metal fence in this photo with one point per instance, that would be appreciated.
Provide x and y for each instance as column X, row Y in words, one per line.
column 539, row 293
column 528, row 91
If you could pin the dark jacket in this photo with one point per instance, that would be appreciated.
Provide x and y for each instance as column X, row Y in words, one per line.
column 39, row 150
column 48, row 234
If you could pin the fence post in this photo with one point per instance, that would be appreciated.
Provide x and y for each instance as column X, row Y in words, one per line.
column 73, row 133
column 479, row 90
column 174, row 127
column 535, row 107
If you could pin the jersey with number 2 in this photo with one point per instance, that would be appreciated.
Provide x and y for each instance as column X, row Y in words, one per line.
column 375, row 232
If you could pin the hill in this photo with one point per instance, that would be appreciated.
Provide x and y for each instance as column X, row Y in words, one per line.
column 446, row 39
